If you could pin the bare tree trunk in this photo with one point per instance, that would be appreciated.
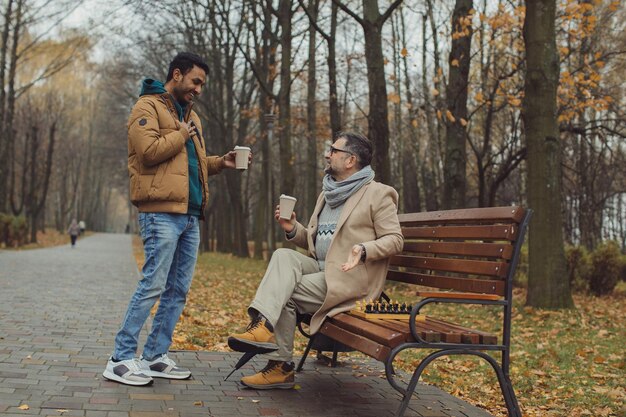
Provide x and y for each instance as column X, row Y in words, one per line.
column 377, row 120
column 411, row 151
column 311, row 165
column 4, row 142
column 333, row 98
column 287, row 173
column 548, row 283
column 456, row 96
column 430, row 168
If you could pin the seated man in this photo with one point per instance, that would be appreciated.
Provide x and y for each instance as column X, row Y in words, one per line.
column 356, row 218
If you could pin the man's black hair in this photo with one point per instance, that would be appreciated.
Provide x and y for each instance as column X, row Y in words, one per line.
column 359, row 145
column 185, row 61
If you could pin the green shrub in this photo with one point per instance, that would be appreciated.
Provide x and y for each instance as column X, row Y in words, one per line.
column 13, row 230
column 605, row 268
column 521, row 273
column 578, row 267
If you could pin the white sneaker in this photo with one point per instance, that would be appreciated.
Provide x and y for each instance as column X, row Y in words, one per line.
column 164, row 367
column 129, row 372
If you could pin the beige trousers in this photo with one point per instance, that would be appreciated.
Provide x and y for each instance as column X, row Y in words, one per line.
column 293, row 282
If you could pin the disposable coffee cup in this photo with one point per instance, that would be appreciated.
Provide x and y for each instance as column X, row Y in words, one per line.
column 287, row 203
column 241, row 159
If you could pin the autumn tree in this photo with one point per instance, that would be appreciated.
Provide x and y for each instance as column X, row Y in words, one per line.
column 456, row 112
column 548, row 283
column 372, row 22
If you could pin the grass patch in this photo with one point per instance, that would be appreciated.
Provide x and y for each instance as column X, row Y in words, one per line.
column 562, row 363
column 51, row 237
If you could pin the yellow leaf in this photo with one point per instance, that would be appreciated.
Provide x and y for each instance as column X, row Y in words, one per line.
column 463, row 121
column 414, row 123
column 434, row 92
column 599, row 359
column 479, row 97
column 404, row 52
column 24, row 407
column 394, row 98
column 439, row 114
column 198, row 403
column 449, row 116
column 454, row 62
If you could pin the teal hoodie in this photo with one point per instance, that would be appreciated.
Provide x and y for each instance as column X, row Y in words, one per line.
column 194, row 207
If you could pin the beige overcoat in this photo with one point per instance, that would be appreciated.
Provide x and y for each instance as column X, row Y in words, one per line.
column 370, row 217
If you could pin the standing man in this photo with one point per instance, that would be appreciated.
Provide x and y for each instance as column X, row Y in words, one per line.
column 355, row 218
column 169, row 172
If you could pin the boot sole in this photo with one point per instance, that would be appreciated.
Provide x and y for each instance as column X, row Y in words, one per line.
column 247, row 346
column 155, row 374
column 284, row 385
column 113, row 377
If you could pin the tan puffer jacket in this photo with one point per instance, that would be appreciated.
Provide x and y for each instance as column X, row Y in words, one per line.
column 157, row 157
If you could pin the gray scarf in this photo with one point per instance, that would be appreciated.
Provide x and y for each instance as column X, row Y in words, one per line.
column 337, row 192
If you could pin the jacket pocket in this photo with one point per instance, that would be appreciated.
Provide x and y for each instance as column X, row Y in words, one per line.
column 157, row 181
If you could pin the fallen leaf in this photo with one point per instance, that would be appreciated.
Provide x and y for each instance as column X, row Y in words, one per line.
column 24, row 407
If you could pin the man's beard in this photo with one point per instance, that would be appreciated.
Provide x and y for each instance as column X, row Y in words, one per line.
column 180, row 96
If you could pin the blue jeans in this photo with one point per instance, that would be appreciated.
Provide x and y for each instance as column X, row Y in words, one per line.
column 171, row 249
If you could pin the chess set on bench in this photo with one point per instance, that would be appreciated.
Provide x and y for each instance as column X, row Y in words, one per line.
column 384, row 310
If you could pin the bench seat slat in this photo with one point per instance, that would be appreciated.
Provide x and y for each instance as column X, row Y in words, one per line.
column 485, row 232
column 360, row 343
column 380, row 334
column 484, row 286
column 427, row 335
column 485, row 338
column 482, row 250
column 391, row 333
column 485, row 214
column 464, row 266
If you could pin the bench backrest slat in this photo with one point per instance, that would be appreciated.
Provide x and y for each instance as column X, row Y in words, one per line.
column 498, row 232
column 486, row 250
column 485, row 214
column 464, row 266
column 483, row 286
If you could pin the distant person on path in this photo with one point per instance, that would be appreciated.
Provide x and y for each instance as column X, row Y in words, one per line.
column 352, row 233
column 169, row 172
column 73, row 231
column 82, row 226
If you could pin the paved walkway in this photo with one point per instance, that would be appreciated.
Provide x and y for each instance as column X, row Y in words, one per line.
column 60, row 309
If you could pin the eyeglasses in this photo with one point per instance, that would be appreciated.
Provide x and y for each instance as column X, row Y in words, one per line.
column 332, row 150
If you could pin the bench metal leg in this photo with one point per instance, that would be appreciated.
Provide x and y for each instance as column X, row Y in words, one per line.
column 505, row 383
column 306, row 353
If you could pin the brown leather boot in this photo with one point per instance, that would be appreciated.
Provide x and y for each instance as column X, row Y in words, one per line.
column 276, row 374
column 258, row 338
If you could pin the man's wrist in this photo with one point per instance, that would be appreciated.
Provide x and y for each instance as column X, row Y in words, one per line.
column 363, row 252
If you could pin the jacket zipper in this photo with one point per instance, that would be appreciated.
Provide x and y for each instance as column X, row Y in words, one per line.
column 172, row 110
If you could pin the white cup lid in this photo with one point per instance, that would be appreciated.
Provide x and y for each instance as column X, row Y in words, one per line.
column 288, row 197
column 242, row 147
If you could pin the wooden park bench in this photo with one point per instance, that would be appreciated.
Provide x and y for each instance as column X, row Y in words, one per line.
column 466, row 257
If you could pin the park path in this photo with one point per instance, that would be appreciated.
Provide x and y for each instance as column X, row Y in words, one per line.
column 60, row 309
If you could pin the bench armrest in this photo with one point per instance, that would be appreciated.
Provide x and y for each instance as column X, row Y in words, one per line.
column 415, row 311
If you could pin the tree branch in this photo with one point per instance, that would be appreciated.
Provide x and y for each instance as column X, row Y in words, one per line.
column 350, row 12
